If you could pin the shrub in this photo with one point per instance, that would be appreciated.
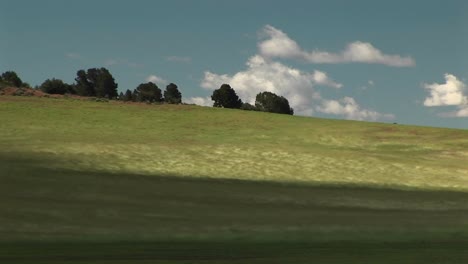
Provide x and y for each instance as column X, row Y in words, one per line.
column 56, row 86
column 172, row 94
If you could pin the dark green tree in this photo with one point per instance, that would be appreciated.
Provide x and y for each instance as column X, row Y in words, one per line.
column 270, row 102
column 96, row 82
column 172, row 94
column 148, row 92
column 12, row 78
column 226, row 97
column 128, row 96
column 83, row 86
column 56, row 86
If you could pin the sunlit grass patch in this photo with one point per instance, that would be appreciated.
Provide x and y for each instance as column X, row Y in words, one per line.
column 196, row 141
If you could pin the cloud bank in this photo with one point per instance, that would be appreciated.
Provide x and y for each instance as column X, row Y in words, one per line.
column 279, row 45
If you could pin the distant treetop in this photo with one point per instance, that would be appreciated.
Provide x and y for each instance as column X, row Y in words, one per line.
column 11, row 78
column 270, row 102
column 226, row 97
column 96, row 82
column 172, row 94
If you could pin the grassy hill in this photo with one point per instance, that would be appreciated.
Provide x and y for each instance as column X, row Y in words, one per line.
column 94, row 182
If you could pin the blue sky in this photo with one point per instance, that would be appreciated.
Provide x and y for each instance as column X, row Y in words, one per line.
column 392, row 61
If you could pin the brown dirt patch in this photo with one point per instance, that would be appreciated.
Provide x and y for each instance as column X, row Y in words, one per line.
column 21, row 91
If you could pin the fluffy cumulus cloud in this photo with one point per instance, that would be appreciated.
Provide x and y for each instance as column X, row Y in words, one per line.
column 322, row 78
column 349, row 108
column 297, row 86
column 279, row 45
column 264, row 73
column 449, row 93
column 156, row 79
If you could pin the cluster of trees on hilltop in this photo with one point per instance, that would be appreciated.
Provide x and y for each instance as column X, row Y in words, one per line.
column 99, row 82
column 96, row 82
column 226, row 97
column 149, row 92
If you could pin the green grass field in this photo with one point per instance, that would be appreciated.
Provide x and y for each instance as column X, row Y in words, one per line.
column 89, row 182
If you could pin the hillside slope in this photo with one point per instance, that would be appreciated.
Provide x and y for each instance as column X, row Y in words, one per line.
column 94, row 182
column 220, row 143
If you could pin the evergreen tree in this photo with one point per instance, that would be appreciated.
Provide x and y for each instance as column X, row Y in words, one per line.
column 128, row 96
column 96, row 82
column 83, row 86
column 172, row 94
column 148, row 92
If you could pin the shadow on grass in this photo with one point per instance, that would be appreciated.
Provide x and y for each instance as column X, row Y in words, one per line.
column 234, row 252
column 59, row 216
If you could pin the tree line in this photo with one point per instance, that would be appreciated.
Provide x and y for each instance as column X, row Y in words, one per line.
column 99, row 82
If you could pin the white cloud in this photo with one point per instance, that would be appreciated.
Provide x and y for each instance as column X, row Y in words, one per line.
column 213, row 81
column 203, row 101
column 295, row 85
column 449, row 93
column 156, row 79
column 279, row 45
column 462, row 112
column 181, row 59
column 322, row 78
column 264, row 75
column 350, row 109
